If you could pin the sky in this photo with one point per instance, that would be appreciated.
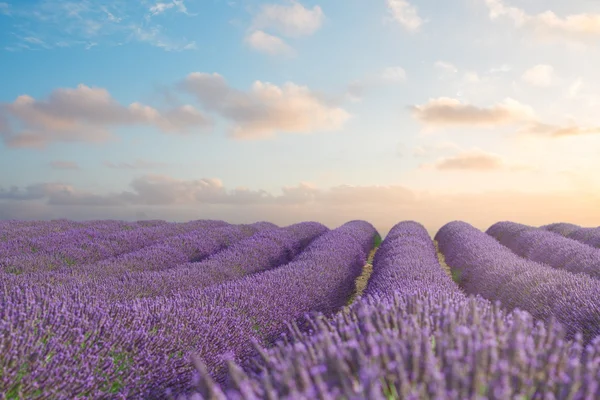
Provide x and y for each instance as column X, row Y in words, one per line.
column 289, row 110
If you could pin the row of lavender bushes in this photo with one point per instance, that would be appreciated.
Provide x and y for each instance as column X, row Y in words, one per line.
column 484, row 266
column 589, row 236
column 547, row 247
column 416, row 335
column 194, row 260
column 61, row 251
column 61, row 343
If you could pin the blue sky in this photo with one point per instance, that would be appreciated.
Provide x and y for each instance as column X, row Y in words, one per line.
column 480, row 110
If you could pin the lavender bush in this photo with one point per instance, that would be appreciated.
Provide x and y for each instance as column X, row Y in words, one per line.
column 67, row 342
column 415, row 337
column 548, row 247
column 484, row 266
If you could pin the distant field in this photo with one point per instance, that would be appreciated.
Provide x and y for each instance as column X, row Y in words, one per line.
column 211, row 310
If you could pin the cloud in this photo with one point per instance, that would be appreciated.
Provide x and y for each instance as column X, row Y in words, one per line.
column 159, row 8
column 269, row 44
column 446, row 67
column 428, row 149
column 357, row 89
column 5, row 8
column 556, row 131
column 266, row 109
column 540, row 75
column 501, row 69
column 446, row 111
column 578, row 27
column 157, row 38
column 52, row 24
column 68, row 165
column 394, row 74
column 405, row 14
column 85, row 114
column 163, row 197
column 291, row 20
column 575, row 88
column 474, row 160
column 137, row 164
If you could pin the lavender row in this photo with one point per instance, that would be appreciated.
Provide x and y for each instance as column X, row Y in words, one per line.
column 484, row 266
column 589, row 236
column 548, row 247
column 188, row 248
column 262, row 251
column 27, row 239
column 71, row 250
column 425, row 346
column 21, row 230
column 416, row 336
column 70, row 342
column 561, row 228
column 407, row 262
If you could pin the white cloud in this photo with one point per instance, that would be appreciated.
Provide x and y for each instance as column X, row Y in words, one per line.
column 58, row 24
column 269, row 44
column 266, row 109
column 577, row 27
column 405, row 14
column 66, row 165
column 5, row 8
column 541, row 75
column 394, row 74
column 446, row 111
column 85, row 114
column 164, row 197
column 557, row 131
column 470, row 160
column 289, row 20
column 137, row 164
column 446, row 67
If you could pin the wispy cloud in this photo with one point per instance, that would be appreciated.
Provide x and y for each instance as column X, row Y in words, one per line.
column 578, row 27
column 67, row 165
column 4, row 8
column 266, row 109
column 394, row 74
column 357, row 89
column 137, row 164
column 444, row 111
column 474, row 160
column 155, row 36
column 47, row 24
column 405, row 14
column 86, row 114
column 541, row 75
column 557, row 131
column 291, row 20
column 166, row 197
column 268, row 44
column 446, row 67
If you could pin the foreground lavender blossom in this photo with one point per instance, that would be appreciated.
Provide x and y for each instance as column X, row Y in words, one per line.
column 61, row 343
column 418, row 337
column 422, row 346
column 548, row 247
column 483, row 266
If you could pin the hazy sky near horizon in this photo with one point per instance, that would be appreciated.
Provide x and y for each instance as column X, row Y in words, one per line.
column 285, row 110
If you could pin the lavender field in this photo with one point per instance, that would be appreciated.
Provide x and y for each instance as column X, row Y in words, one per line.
column 110, row 309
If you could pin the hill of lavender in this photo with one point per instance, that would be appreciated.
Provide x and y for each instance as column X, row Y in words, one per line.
column 211, row 310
